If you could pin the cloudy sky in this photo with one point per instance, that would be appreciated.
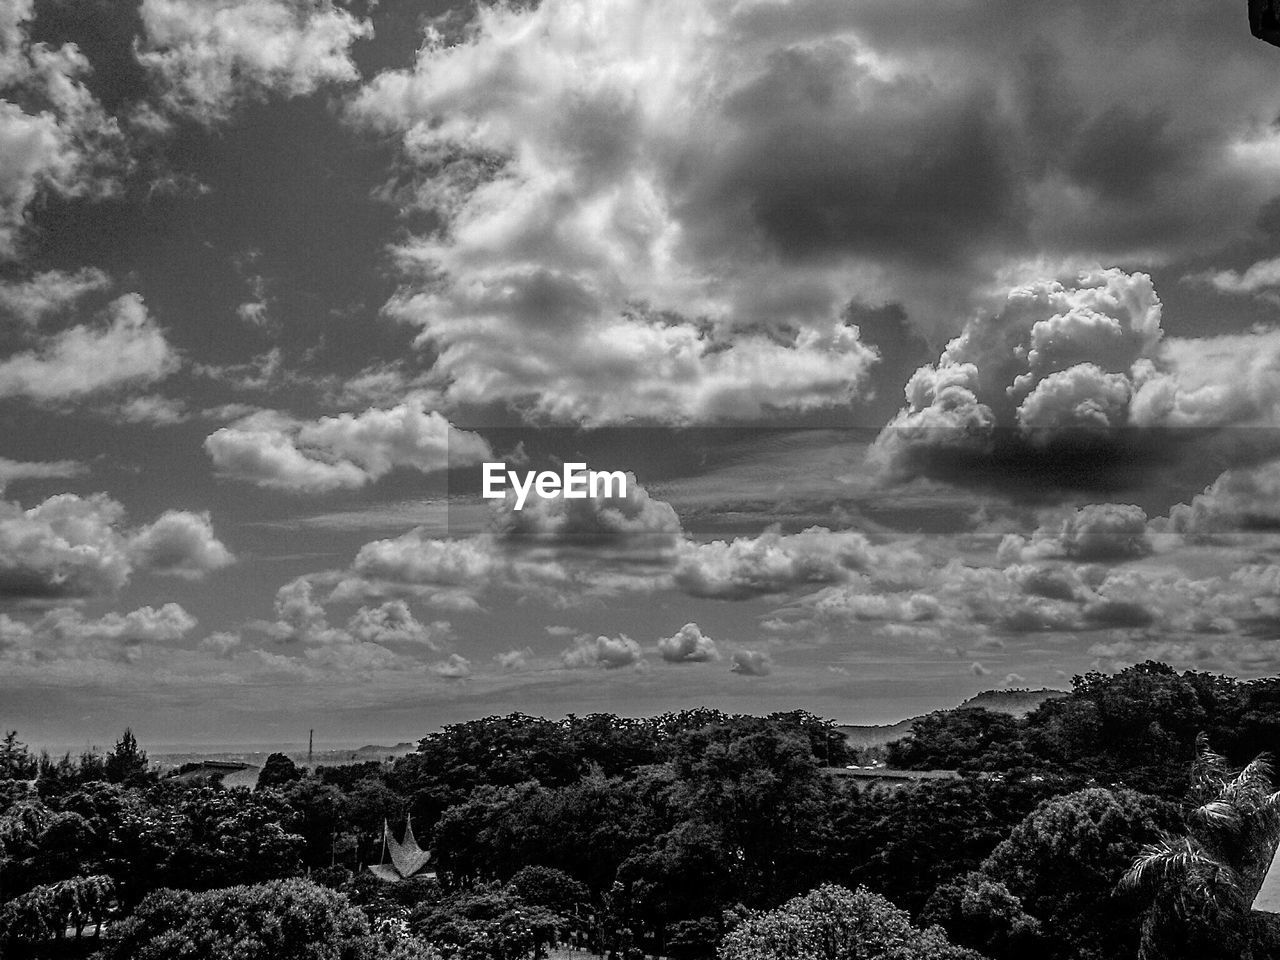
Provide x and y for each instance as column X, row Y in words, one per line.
column 941, row 341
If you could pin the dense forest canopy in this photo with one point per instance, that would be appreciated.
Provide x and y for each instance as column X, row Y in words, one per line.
column 672, row 835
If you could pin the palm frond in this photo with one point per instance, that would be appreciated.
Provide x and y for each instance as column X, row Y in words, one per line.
column 1219, row 815
column 1257, row 775
column 1169, row 859
column 1209, row 770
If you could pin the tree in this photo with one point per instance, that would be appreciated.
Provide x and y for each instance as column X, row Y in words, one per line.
column 16, row 761
column 834, row 923
column 232, row 836
column 980, row 912
column 971, row 738
column 125, row 763
column 47, row 911
column 488, row 924
column 1205, row 880
column 550, row 888
column 282, row 920
column 1061, row 866
column 276, row 772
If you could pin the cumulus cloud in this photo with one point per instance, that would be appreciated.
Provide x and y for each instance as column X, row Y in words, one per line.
column 375, row 639
column 346, row 451
column 54, row 135
column 1053, row 360
column 774, row 562
column 128, row 348
column 1245, row 499
column 562, row 549
column 514, row 660
column 1100, row 532
column 64, row 547
column 688, row 645
column 180, row 543
column 642, row 527
column 628, row 192
column 448, row 572
column 571, row 235
column 394, row 622
column 751, row 663
column 1228, row 380
column 212, row 55
column 611, row 653
column 69, row 546
column 455, row 667
column 65, row 633
column 853, row 603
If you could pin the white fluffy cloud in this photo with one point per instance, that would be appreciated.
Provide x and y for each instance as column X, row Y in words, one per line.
column 211, row 55
column 751, row 663
column 570, row 283
column 454, row 667
column 688, row 645
column 65, row 634
column 1228, row 380
column 69, row 546
column 180, row 543
column 775, row 562
column 54, row 136
column 635, row 226
column 1242, row 499
column 419, row 560
column 64, row 547
column 636, row 518
column 1053, row 358
column 611, row 653
column 345, row 451
column 1095, row 533
column 1074, row 365
column 393, row 622
column 128, row 348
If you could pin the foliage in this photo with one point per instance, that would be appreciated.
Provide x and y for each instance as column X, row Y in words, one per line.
column 653, row 835
column 281, row 920
column 16, row 761
column 278, row 771
column 1205, row 879
column 488, row 924
column 126, row 763
column 45, row 912
column 1060, row 867
column 834, row 923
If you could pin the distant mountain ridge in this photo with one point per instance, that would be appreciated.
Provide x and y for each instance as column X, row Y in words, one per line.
column 1016, row 703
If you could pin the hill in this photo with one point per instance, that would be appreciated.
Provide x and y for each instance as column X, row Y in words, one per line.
column 1016, row 703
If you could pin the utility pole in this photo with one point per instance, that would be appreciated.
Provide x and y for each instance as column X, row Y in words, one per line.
column 311, row 742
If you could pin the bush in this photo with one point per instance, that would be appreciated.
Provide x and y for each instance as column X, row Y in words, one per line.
column 834, row 923
column 282, row 920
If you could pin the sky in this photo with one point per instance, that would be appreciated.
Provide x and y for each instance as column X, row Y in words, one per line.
column 940, row 342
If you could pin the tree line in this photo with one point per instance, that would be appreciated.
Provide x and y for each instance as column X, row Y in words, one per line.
column 1085, row 829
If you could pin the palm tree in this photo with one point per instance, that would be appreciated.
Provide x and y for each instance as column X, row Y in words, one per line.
column 1205, row 881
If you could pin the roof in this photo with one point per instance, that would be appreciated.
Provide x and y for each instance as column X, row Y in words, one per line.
column 1268, row 898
